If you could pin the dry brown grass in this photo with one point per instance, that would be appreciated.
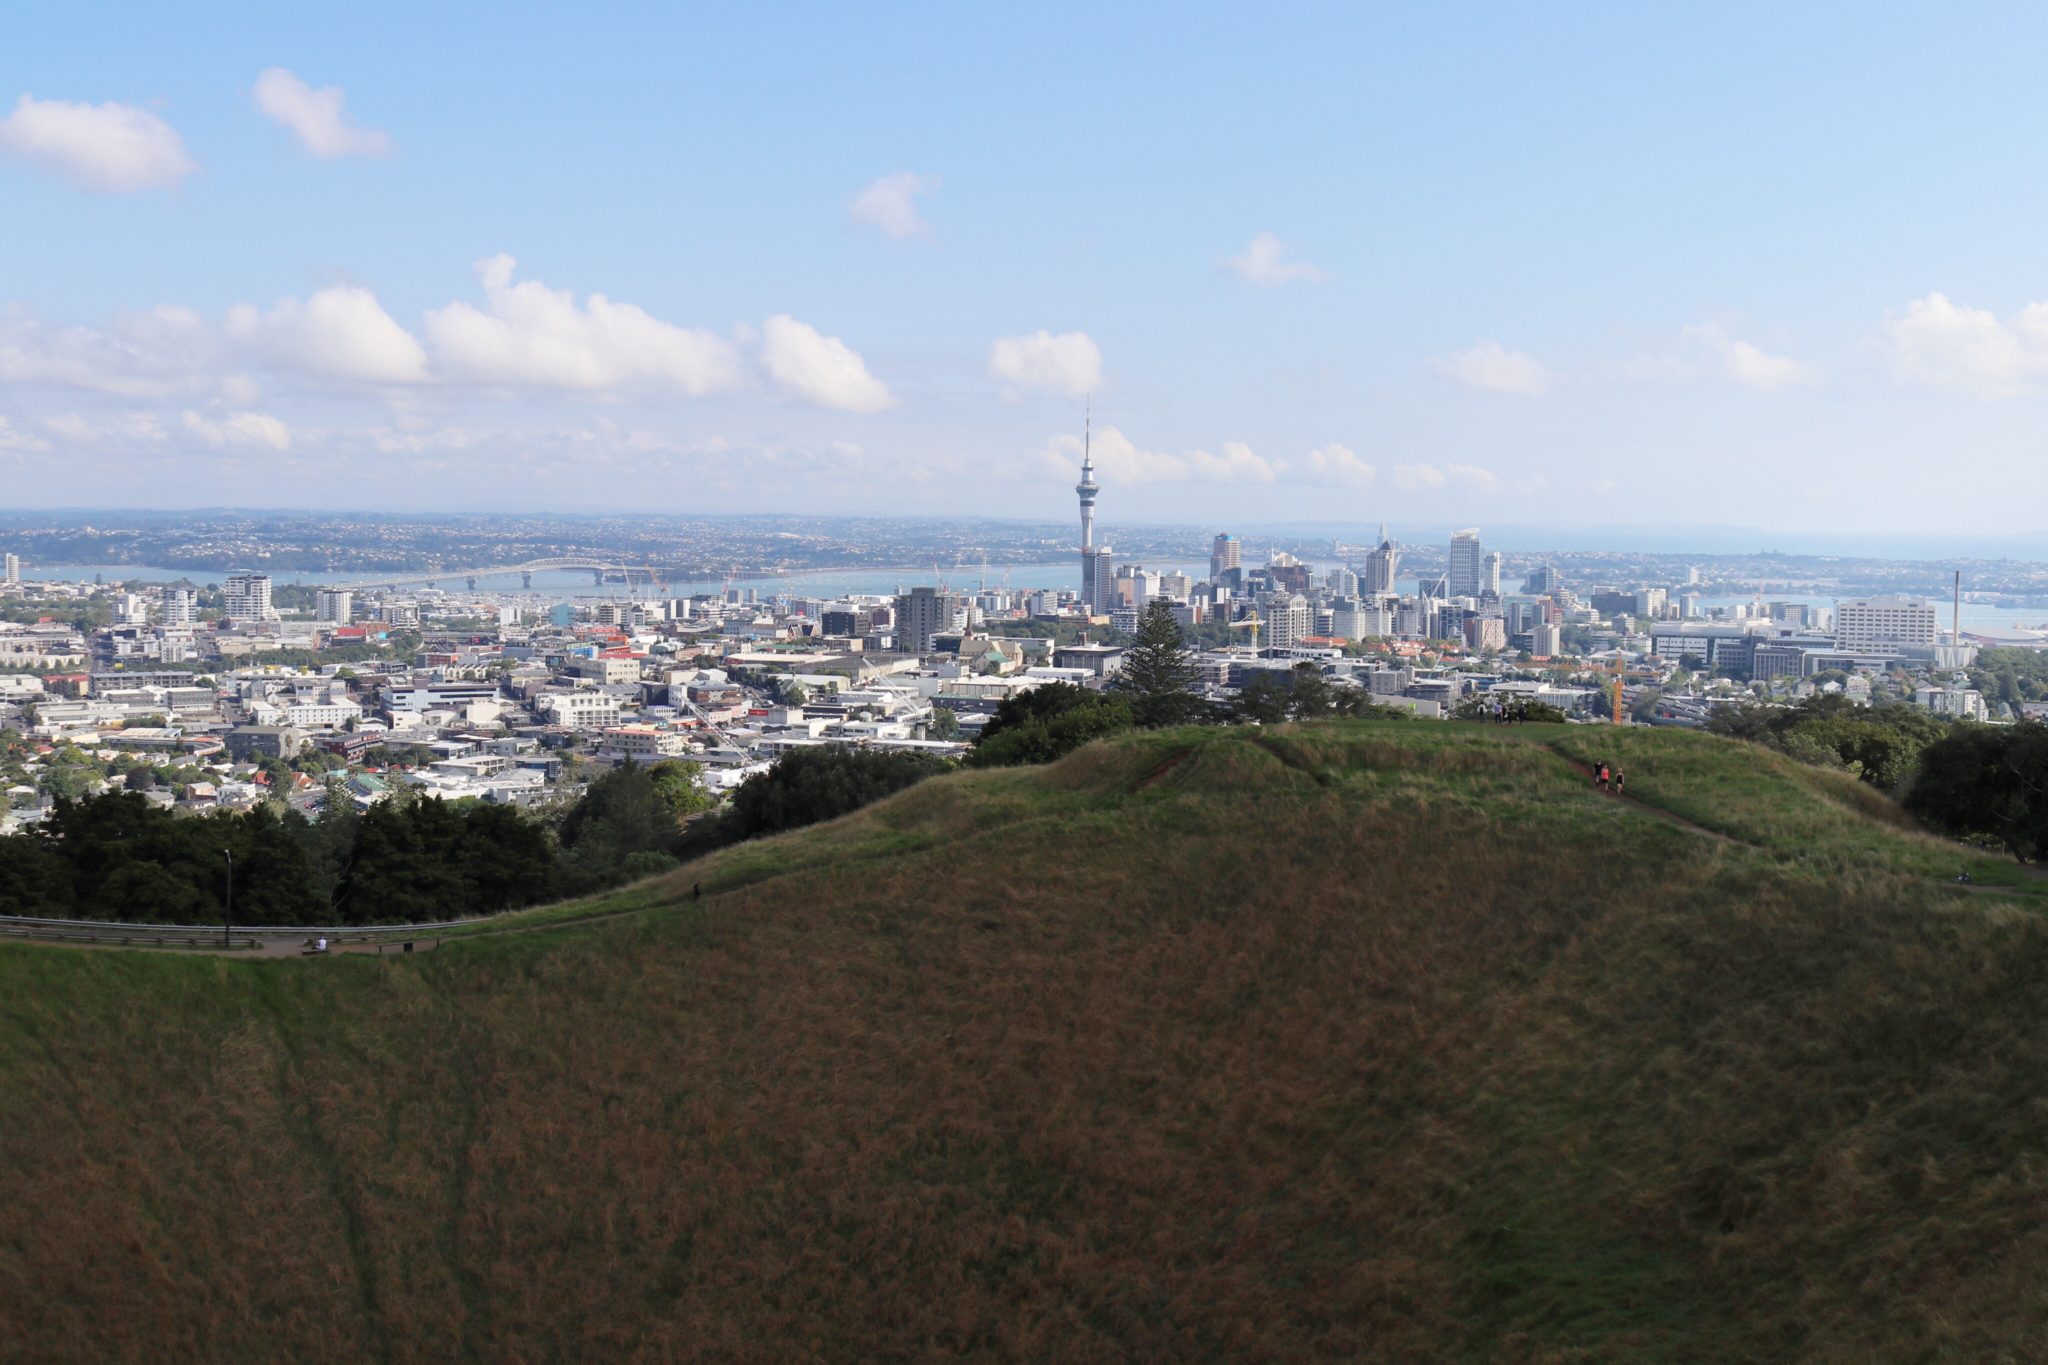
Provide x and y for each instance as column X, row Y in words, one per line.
column 1353, row 1041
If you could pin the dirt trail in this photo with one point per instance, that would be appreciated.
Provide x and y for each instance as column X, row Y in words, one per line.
column 1667, row 816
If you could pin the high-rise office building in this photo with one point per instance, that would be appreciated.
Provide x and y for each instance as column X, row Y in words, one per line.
column 247, row 597
column 922, row 613
column 177, row 605
column 1489, row 573
column 1380, row 565
column 1224, row 553
column 1463, row 572
column 334, row 604
column 13, row 570
column 1543, row 581
column 1886, row 625
column 1098, row 582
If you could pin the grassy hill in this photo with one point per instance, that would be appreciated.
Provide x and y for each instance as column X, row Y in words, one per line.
column 1360, row 1039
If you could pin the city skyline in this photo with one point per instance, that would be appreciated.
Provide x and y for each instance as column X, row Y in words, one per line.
column 1412, row 268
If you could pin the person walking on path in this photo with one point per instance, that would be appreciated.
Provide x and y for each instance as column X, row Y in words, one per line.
column 1619, row 778
column 1600, row 776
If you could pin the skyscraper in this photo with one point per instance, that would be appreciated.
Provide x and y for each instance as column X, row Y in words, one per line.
column 247, row 597
column 1380, row 566
column 1463, row 574
column 1489, row 573
column 13, row 570
column 922, row 613
column 334, row 604
column 180, row 605
column 1224, row 553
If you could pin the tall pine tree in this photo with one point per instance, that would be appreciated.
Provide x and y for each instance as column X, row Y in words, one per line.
column 1158, row 673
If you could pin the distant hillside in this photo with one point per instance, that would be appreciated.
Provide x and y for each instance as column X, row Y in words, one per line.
column 1355, row 1040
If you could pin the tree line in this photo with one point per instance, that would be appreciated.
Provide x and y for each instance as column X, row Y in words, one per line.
column 411, row 859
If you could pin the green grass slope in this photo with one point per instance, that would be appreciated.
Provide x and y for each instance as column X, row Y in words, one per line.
column 1351, row 1040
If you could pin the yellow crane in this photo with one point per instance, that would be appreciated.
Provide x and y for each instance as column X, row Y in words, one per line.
column 1250, row 622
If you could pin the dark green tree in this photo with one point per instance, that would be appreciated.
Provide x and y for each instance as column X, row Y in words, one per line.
column 1046, row 723
column 1158, row 674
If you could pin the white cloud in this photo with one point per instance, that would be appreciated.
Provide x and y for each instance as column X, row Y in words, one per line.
column 139, row 355
column 1750, row 365
column 341, row 332
column 240, row 431
column 1495, row 369
column 528, row 333
column 1264, row 262
column 119, row 429
column 890, row 204
column 1069, row 363
column 820, row 369
column 316, row 116
column 1119, row 460
column 114, row 148
column 1472, row 478
column 1937, row 341
column 1339, row 464
column 10, row 439
column 1417, row 478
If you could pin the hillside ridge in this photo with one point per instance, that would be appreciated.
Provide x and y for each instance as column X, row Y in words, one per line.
column 1357, row 1038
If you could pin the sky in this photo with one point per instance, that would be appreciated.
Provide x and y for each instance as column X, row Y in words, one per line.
column 1541, row 265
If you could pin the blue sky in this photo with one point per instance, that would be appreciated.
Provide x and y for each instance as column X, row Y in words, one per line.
column 1557, row 265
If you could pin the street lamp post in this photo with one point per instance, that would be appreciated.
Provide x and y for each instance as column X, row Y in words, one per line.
column 229, row 854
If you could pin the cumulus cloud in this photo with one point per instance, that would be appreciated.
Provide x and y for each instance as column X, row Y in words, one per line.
column 527, row 333
column 1750, row 365
column 1495, row 369
column 1473, row 478
column 1417, row 478
column 1469, row 478
column 11, row 439
column 1940, row 342
column 341, row 332
column 1265, row 262
column 820, row 369
column 239, row 431
column 1339, row 464
column 1119, row 460
column 889, row 204
column 119, row 429
column 112, row 148
column 150, row 354
column 316, row 117
column 1069, row 363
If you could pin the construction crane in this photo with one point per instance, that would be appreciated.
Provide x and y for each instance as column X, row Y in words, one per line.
column 1249, row 621
column 1617, row 688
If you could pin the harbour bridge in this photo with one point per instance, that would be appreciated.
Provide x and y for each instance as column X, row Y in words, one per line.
column 600, row 570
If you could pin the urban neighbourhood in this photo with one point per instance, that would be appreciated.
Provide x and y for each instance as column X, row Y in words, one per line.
column 223, row 696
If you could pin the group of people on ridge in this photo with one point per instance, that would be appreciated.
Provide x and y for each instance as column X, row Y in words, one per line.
column 1602, row 775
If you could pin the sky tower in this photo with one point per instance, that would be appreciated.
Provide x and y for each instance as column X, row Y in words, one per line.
column 1086, row 490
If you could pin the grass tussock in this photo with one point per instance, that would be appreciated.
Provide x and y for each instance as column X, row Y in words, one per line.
column 1359, row 1040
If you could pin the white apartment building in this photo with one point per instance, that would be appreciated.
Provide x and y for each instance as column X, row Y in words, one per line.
column 579, row 710
column 1287, row 620
column 1885, row 625
column 13, row 571
column 248, row 598
column 177, row 606
column 645, row 742
column 322, row 715
column 334, row 605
